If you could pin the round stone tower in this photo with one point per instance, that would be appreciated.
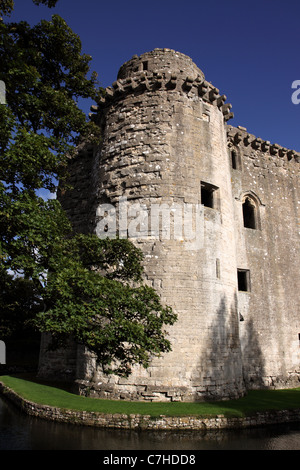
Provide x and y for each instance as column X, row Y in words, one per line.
column 163, row 164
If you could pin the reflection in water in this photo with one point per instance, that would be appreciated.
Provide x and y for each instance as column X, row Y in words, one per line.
column 20, row 432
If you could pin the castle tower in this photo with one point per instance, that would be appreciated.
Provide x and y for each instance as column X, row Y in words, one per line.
column 215, row 211
column 164, row 152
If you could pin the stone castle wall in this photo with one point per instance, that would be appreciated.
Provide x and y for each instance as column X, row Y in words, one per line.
column 269, row 174
column 166, row 141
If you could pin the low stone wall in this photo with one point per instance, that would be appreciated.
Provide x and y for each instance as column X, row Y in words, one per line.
column 139, row 422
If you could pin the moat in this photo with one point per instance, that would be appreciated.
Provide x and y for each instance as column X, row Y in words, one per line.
column 21, row 432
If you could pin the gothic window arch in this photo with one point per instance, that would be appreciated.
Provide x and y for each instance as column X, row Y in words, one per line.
column 250, row 208
column 234, row 157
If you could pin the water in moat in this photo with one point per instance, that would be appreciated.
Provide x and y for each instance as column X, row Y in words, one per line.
column 21, row 432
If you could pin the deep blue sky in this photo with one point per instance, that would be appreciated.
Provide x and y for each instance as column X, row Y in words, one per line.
column 247, row 49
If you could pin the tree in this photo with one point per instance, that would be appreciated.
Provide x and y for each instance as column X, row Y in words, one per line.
column 119, row 319
column 6, row 6
column 69, row 284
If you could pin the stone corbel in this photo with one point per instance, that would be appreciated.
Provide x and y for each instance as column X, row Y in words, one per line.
column 228, row 116
column 221, row 100
column 226, row 108
column 291, row 154
column 238, row 137
column 158, row 81
column 171, row 84
column 213, row 94
column 187, row 85
column 265, row 146
column 274, row 149
column 109, row 92
column 282, row 152
column 144, row 82
column 131, row 84
column 203, row 88
column 248, row 139
column 256, row 143
column 117, row 86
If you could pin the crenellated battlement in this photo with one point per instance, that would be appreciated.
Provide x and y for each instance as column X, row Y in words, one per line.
column 238, row 136
column 145, row 81
column 172, row 78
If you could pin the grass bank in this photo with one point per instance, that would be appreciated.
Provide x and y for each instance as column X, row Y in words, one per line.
column 254, row 401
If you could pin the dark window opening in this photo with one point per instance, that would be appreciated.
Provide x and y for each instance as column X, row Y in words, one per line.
column 208, row 195
column 145, row 65
column 249, row 214
column 243, row 280
column 234, row 159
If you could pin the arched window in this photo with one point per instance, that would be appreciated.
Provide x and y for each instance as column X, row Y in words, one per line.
column 235, row 157
column 250, row 212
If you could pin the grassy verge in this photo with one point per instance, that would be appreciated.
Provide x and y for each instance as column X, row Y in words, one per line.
column 256, row 400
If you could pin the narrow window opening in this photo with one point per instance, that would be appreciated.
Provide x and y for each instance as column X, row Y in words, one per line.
column 299, row 338
column 243, row 280
column 249, row 214
column 218, row 274
column 145, row 65
column 234, row 159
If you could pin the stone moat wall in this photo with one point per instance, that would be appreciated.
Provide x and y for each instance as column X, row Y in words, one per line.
column 146, row 422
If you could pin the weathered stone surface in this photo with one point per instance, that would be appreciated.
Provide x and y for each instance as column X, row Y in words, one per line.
column 166, row 141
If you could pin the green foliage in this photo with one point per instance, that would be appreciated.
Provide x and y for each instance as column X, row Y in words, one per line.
column 121, row 324
column 52, row 279
column 48, row 3
column 7, row 6
column 19, row 302
column 45, row 74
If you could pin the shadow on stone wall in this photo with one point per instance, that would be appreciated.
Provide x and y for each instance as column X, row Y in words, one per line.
column 228, row 366
column 253, row 360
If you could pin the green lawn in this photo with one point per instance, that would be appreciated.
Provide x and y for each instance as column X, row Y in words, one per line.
column 254, row 401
